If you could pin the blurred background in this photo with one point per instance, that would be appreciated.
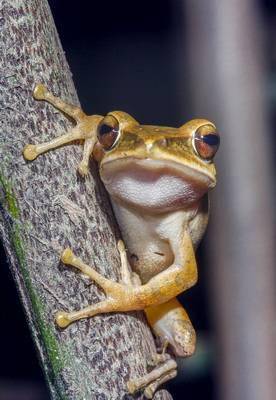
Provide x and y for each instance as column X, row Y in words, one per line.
column 166, row 62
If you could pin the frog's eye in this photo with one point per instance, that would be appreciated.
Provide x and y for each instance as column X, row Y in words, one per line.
column 108, row 132
column 206, row 142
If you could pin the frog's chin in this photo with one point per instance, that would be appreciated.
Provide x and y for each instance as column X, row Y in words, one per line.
column 154, row 184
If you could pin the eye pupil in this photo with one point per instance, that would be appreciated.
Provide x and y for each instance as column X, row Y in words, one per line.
column 104, row 130
column 211, row 139
column 206, row 143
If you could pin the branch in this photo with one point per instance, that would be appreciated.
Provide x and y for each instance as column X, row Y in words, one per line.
column 46, row 206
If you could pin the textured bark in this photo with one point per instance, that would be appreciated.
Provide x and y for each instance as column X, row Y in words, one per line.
column 46, row 206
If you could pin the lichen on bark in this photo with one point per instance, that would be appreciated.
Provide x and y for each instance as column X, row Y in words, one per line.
column 45, row 206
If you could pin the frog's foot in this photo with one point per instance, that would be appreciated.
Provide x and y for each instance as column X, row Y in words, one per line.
column 119, row 296
column 63, row 319
column 151, row 381
column 85, row 129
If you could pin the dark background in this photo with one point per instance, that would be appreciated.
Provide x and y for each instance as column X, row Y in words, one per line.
column 126, row 56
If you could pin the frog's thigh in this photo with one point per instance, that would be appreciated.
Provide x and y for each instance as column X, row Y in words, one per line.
column 171, row 323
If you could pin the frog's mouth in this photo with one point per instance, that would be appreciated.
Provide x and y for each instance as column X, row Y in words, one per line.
column 158, row 184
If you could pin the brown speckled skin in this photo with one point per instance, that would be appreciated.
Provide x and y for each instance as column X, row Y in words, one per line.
column 103, row 352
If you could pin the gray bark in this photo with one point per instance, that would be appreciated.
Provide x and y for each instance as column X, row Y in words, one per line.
column 46, row 206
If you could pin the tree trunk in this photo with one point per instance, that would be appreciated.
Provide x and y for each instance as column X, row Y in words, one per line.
column 46, row 206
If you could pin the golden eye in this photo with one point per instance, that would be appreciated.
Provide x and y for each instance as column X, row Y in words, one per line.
column 206, row 142
column 108, row 132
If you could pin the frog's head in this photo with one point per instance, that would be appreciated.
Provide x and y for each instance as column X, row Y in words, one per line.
column 156, row 167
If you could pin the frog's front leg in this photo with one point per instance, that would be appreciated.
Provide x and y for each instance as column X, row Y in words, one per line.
column 126, row 297
column 85, row 129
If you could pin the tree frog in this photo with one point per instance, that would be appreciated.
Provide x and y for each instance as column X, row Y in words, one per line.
column 158, row 179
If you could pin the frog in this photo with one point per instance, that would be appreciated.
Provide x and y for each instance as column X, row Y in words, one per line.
column 158, row 179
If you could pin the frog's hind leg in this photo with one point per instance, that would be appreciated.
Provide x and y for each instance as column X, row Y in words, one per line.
column 85, row 129
column 171, row 323
column 165, row 366
column 172, row 326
